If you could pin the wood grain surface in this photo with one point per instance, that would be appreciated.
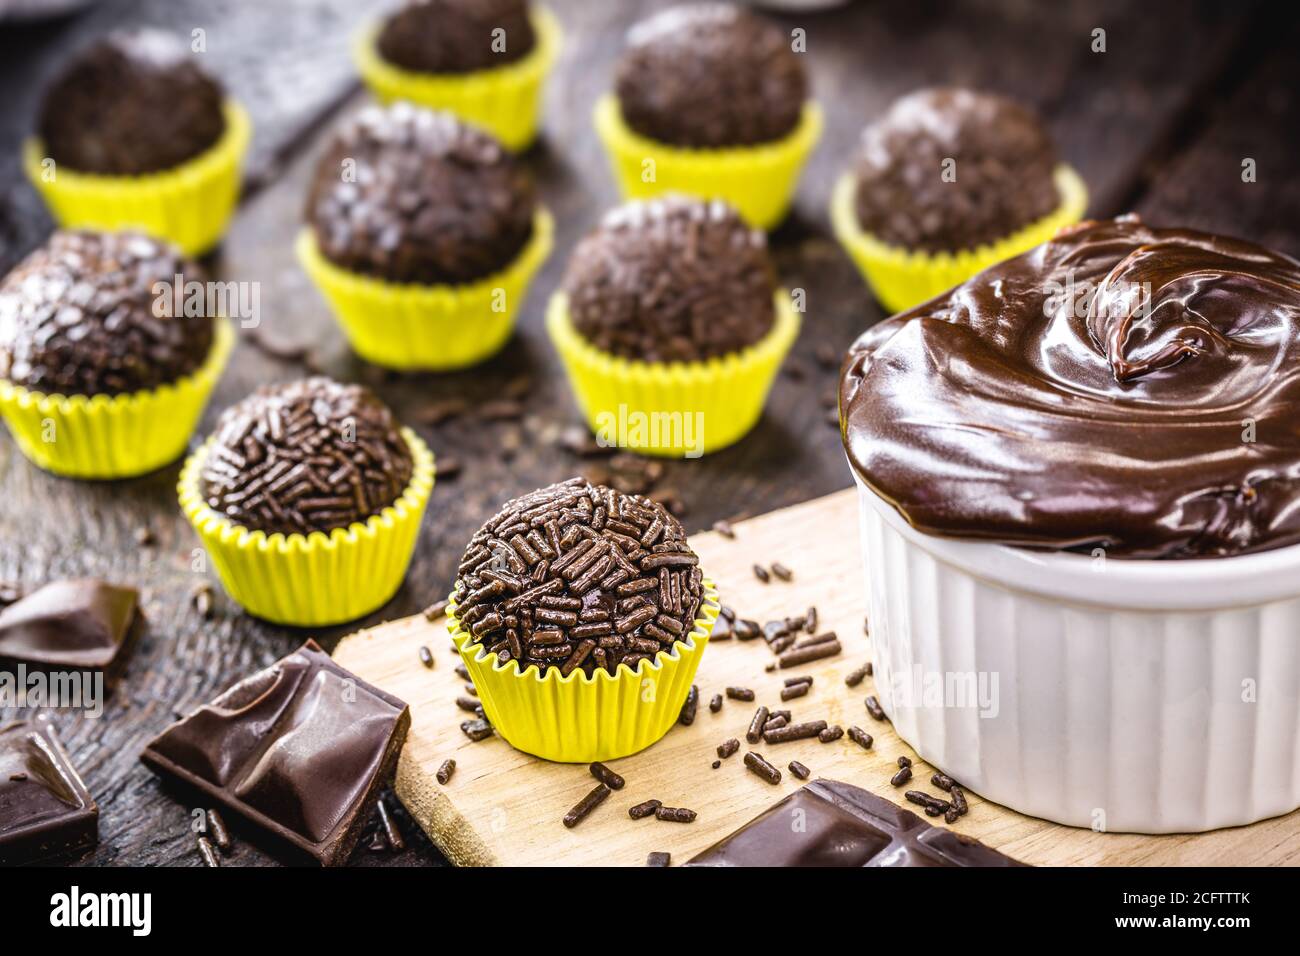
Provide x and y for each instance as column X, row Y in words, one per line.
column 504, row 807
column 1160, row 122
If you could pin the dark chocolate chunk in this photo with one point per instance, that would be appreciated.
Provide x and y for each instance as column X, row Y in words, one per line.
column 1001, row 161
column 713, row 287
column 710, row 75
column 457, row 36
column 80, row 625
column 132, row 102
column 45, row 809
column 311, row 455
column 79, row 316
column 557, row 578
column 658, row 859
column 301, row 749
column 845, row 826
column 411, row 196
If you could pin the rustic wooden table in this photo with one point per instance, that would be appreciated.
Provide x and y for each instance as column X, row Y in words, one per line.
column 1160, row 122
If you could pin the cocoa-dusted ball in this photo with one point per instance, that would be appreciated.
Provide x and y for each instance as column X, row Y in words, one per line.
column 457, row 36
column 579, row 576
column 312, row 455
column 134, row 102
column 672, row 280
column 999, row 179
column 411, row 195
column 93, row 313
column 709, row 76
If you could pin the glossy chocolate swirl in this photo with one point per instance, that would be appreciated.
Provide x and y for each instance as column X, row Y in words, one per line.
column 1122, row 387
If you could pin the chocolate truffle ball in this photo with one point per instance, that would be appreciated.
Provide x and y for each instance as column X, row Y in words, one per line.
column 579, row 576
column 312, row 455
column 672, row 280
column 1001, row 175
column 131, row 103
column 409, row 195
column 93, row 313
column 457, row 36
column 710, row 76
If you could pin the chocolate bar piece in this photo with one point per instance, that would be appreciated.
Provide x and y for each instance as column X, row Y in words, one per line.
column 79, row 625
column 843, row 825
column 301, row 748
column 45, row 809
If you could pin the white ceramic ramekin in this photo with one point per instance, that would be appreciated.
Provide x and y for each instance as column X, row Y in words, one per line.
column 1138, row 696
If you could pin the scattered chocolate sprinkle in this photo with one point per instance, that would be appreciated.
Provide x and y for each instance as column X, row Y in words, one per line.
column 448, row 468
column 201, row 597
column 761, row 768
column 781, row 735
column 606, row 776
column 943, row 781
column 689, row 707
column 740, row 693
column 747, row 630
column 905, row 761
column 860, row 737
column 217, row 826
column 209, row 855
column 584, row 806
column 658, row 859
column 831, row 733
column 716, row 764
column 755, row 732
column 462, row 671
column 443, row 410
column 933, row 805
column 728, row 747
column 810, row 620
column 715, row 703
column 799, row 770
column 469, row 704
column 445, row 771
column 904, row 774
column 874, row 708
column 426, row 656
column 774, row 722
column 643, row 810
column 725, row 529
column 856, row 677
column 795, row 690
column 760, row 572
column 436, row 611
column 477, row 730
column 813, row 650
column 393, row 834
column 675, row 814
column 959, row 800
column 782, row 572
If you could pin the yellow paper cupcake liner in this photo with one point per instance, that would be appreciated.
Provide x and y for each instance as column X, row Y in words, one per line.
column 759, row 181
column 113, row 436
column 678, row 409
column 505, row 100
column 577, row 719
column 406, row 326
column 901, row 279
column 317, row 579
column 189, row 206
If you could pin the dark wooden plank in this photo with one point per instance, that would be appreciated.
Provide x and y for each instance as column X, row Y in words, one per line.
column 1111, row 113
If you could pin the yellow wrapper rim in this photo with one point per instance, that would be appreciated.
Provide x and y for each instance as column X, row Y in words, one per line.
column 314, row 579
column 189, row 205
column 759, row 181
column 505, row 100
column 579, row 718
column 902, row 278
column 115, row 436
column 730, row 390
column 439, row 327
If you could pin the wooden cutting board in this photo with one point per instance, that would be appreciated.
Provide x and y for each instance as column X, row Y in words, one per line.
column 503, row 807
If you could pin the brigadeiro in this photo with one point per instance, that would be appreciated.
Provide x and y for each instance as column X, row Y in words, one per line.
column 326, row 466
column 949, row 177
column 140, row 135
column 581, row 581
column 671, row 282
column 484, row 60
column 100, row 342
column 406, row 201
column 717, row 99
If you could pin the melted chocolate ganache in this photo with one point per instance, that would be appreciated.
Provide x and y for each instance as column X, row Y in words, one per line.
column 1120, row 386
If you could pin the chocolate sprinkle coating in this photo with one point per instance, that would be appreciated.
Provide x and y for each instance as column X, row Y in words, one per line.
column 78, row 316
column 312, row 455
column 672, row 280
column 1004, row 162
column 456, row 36
column 708, row 76
column 131, row 103
column 579, row 576
column 409, row 195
